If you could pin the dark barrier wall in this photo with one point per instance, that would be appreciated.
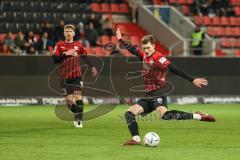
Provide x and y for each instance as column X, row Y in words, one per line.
column 29, row 76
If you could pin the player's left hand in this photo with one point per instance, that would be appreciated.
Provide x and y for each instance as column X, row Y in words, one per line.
column 72, row 52
column 200, row 82
column 94, row 71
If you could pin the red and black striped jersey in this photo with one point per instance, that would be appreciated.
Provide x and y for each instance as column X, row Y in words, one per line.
column 154, row 69
column 69, row 65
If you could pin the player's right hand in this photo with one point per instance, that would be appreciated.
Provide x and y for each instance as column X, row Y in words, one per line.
column 71, row 52
column 118, row 34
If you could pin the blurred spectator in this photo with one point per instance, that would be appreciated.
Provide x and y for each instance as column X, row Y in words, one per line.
column 81, row 37
column 44, row 43
column 107, row 26
column 134, row 4
column 203, row 7
column 223, row 8
column 92, row 35
column 31, row 43
column 80, row 31
column 197, row 41
column 84, row 41
column 84, row 19
column 19, row 43
column 96, row 23
column 59, row 31
column 8, row 44
column 49, row 29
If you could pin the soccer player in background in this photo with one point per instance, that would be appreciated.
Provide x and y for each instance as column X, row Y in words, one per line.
column 67, row 53
column 154, row 71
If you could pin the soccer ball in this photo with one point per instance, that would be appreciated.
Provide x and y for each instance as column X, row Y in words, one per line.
column 151, row 139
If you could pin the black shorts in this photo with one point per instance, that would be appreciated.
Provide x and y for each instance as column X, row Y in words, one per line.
column 69, row 85
column 150, row 104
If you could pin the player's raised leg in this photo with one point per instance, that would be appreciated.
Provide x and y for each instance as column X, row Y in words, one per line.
column 130, row 117
column 180, row 115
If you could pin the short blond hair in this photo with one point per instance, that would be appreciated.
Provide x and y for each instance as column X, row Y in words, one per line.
column 69, row 26
column 148, row 38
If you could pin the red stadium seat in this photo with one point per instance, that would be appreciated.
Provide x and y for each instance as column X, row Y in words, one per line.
column 235, row 2
column 190, row 2
column 207, row 21
column 237, row 53
column 237, row 31
column 185, row 9
column 95, row 7
column 220, row 53
column 105, row 8
column 220, row 31
column 182, row 2
column 123, row 29
column 229, row 31
column 211, row 31
column 158, row 2
column 238, row 40
column 89, row 50
column 115, row 8
column 198, row 20
column 216, row 21
column 135, row 40
column 225, row 42
column 114, row 39
column 234, row 21
column 235, row 42
column 237, row 11
column 124, row 8
column 172, row 1
column 104, row 40
column 224, row 21
column 2, row 37
column 98, row 51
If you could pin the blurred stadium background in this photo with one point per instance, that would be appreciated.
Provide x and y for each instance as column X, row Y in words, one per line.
column 29, row 30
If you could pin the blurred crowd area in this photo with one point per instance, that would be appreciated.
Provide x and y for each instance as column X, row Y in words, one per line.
column 90, row 26
column 213, row 8
column 88, row 31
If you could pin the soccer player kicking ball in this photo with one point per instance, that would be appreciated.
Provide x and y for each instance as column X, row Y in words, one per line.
column 154, row 72
column 67, row 53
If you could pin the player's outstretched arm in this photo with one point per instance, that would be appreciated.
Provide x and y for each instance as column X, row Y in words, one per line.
column 128, row 46
column 198, row 82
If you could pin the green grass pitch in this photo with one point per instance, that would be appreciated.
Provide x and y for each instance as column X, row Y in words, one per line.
column 34, row 132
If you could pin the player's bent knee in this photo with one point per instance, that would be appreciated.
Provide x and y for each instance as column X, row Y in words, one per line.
column 161, row 110
column 136, row 109
column 69, row 100
column 78, row 97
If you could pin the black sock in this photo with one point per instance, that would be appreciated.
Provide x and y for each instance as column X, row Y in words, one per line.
column 73, row 108
column 177, row 115
column 79, row 107
column 132, row 123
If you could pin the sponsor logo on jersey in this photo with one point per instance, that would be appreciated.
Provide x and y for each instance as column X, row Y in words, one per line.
column 162, row 60
column 76, row 47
